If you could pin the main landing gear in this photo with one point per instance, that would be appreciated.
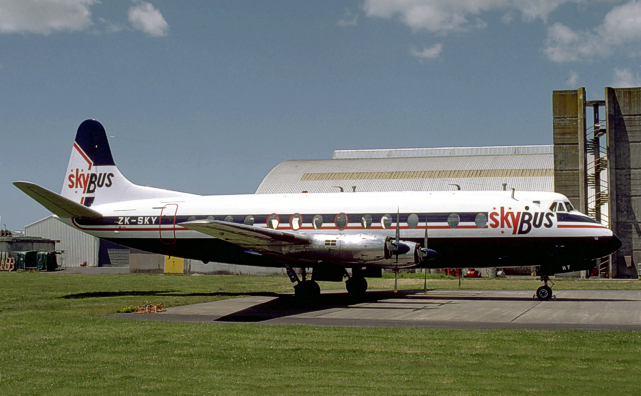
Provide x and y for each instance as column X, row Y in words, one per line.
column 306, row 291
column 544, row 292
column 356, row 285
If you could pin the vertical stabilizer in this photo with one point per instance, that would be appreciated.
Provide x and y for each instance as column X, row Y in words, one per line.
column 92, row 177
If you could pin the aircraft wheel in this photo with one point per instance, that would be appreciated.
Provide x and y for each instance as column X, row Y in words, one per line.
column 307, row 291
column 356, row 286
column 544, row 293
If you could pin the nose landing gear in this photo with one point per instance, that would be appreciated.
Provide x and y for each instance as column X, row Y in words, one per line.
column 544, row 292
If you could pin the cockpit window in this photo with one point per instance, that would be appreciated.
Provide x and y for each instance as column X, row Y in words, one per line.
column 553, row 207
column 569, row 206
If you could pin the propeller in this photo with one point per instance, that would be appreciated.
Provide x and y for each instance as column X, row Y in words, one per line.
column 421, row 251
column 397, row 247
column 426, row 254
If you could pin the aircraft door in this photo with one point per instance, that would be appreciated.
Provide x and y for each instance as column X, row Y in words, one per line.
column 167, row 224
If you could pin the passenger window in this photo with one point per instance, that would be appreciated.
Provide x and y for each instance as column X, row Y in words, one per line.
column 480, row 220
column 229, row 219
column 296, row 221
column 341, row 221
column 210, row 218
column 553, row 207
column 366, row 221
column 386, row 221
column 249, row 220
column 412, row 220
column 273, row 221
column 191, row 218
column 317, row 221
column 453, row 220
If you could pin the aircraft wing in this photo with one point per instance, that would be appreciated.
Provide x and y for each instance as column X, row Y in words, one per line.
column 262, row 240
column 56, row 203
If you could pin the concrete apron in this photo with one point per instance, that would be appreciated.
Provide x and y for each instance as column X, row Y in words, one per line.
column 452, row 309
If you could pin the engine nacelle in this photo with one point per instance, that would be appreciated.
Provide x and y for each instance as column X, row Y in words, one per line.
column 367, row 249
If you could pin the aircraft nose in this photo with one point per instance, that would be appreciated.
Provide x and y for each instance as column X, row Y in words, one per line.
column 610, row 245
column 615, row 243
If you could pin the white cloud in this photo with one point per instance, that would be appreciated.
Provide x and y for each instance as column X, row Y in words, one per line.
column 427, row 52
column 621, row 26
column 573, row 79
column 445, row 16
column 111, row 27
column 624, row 78
column 531, row 10
column 348, row 19
column 44, row 16
column 144, row 16
column 441, row 16
column 507, row 18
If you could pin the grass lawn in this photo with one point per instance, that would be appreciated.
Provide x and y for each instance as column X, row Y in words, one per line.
column 57, row 340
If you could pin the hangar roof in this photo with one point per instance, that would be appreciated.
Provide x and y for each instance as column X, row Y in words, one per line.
column 526, row 168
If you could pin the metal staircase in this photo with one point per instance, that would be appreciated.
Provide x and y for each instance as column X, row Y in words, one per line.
column 598, row 189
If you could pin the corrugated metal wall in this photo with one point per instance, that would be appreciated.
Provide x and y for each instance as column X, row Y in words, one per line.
column 525, row 168
column 442, row 152
column 77, row 246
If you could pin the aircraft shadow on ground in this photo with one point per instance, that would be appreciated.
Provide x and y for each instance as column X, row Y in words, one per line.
column 287, row 305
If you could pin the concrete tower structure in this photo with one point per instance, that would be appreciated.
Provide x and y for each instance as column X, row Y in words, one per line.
column 597, row 165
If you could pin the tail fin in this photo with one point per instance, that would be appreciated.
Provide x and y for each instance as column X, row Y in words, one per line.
column 92, row 177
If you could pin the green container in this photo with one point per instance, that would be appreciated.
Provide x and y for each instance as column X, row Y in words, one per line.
column 31, row 260
column 20, row 260
column 46, row 261
column 26, row 260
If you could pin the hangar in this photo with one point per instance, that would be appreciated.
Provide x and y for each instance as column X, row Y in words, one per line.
column 524, row 168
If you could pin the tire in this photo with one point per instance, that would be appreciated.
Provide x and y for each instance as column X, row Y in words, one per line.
column 307, row 292
column 356, row 287
column 544, row 293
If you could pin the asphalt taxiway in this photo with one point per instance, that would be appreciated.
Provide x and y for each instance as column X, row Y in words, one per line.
column 450, row 309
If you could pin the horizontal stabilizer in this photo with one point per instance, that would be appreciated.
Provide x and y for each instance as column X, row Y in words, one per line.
column 56, row 203
column 258, row 239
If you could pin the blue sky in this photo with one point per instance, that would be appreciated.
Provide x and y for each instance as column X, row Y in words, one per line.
column 208, row 96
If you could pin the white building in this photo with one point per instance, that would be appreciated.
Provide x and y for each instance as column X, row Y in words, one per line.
column 525, row 168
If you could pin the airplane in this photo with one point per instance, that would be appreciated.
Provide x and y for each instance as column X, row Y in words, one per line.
column 328, row 233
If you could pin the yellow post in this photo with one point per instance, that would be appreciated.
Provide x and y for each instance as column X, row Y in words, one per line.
column 173, row 265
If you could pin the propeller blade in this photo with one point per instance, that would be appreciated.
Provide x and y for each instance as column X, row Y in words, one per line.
column 398, row 225
column 425, row 246
column 424, row 252
column 396, row 279
column 425, row 240
column 425, row 282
